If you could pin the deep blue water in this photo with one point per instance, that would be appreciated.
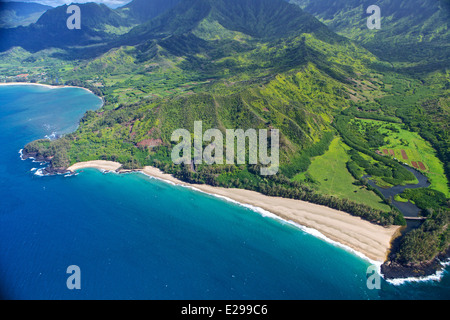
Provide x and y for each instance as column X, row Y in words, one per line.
column 138, row 238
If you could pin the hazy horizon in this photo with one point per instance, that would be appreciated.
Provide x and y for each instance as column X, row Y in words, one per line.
column 56, row 3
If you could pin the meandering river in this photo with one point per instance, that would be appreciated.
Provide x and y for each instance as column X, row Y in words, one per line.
column 408, row 209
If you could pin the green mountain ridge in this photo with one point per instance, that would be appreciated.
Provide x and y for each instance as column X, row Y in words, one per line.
column 246, row 59
column 100, row 25
column 51, row 31
column 259, row 19
column 144, row 10
column 277, row 61
column 412, row 31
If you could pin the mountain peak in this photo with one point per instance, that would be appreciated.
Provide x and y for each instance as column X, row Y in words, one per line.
column 51, row 29
column 255, row 18
column 263, row 18
column 14, row 14
column 144, row 10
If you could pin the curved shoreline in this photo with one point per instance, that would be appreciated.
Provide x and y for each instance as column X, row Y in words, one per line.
column 97, row 164
column 273, row 216
column 5, row 84
column 316, row 232
column 362, row 238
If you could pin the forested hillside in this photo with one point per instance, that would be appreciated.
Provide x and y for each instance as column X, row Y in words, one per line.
column 413, row 31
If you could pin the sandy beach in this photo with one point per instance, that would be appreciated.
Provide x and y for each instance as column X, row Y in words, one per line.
column 98, row 164
column 369, row 240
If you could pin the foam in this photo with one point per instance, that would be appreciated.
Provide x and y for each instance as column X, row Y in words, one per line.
column 40, row 173
column 52, row 136
column 270, row 215
column 21, row 155
column 313, row 232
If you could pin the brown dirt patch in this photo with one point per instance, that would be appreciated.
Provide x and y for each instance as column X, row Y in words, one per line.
column 404, row 155
column 422, row 166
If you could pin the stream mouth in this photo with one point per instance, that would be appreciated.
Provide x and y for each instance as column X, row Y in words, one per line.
column 408, row 209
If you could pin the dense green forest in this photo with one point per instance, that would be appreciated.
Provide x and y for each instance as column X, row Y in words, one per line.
column 423, row 244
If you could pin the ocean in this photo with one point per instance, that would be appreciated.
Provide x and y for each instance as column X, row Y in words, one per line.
column 134, row 237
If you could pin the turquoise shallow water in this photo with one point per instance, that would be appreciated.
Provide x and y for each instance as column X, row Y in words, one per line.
column 134, row 237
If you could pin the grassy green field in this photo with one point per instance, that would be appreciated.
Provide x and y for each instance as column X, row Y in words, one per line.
column 330, row 175
column 417, row 150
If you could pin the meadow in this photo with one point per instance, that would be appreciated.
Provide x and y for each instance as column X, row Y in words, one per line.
column 329, row 175
column 410, row 148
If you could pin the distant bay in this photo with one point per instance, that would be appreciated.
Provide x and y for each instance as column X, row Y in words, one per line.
column 138, row 238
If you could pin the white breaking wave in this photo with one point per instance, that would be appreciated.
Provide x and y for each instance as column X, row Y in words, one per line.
column 53, row 136
column 71, row 175
column 21, row 155
column 436, row 277
column 313, row 232
column 152, row 177
column 108, row 171
column 270, row 215
column 40, row 173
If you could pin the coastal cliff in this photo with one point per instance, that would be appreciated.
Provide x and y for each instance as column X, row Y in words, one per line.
column 36, row 156
column 394, row 270
column 421, row 252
